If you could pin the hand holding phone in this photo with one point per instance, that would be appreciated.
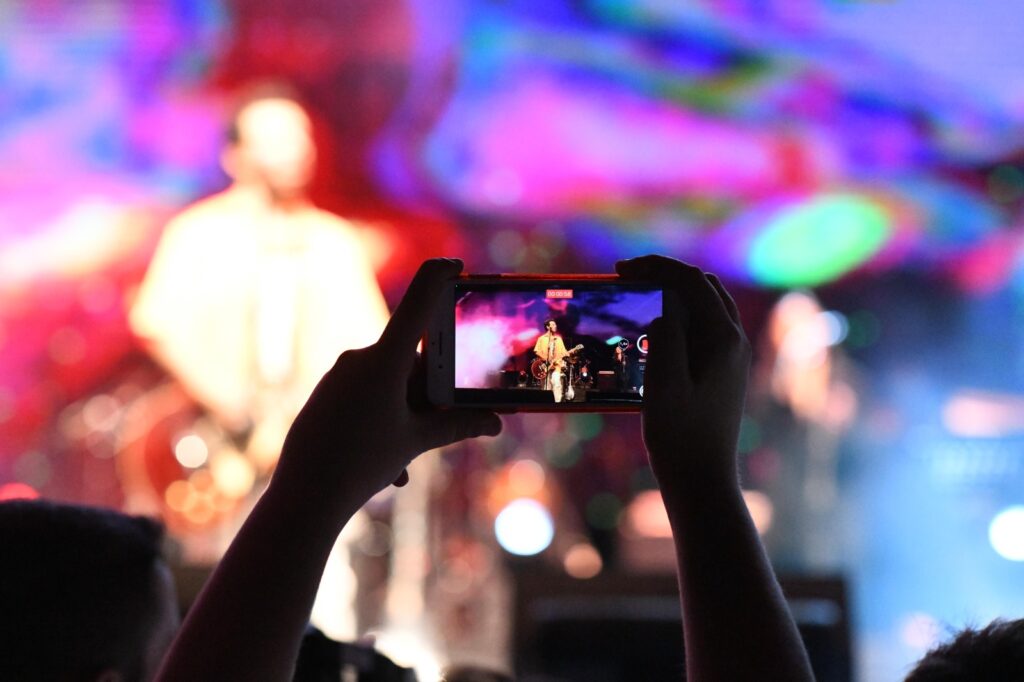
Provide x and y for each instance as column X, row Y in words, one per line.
column 539, row 343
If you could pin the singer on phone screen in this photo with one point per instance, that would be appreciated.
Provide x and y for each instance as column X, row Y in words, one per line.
column 551, row 349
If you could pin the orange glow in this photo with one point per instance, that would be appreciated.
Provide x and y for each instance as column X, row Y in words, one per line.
column 525, row 478
column 646, row 516
column 582, row 561
column 761, row 509
column 177, row 495
column 233, row 474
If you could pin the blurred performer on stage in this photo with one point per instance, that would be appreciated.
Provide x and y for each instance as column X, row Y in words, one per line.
column 804, row 401
column 621, row 366
column 254, row 292
column 551, row 349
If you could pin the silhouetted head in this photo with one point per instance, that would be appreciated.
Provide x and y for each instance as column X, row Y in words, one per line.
column 991, row 654
column 85, row 594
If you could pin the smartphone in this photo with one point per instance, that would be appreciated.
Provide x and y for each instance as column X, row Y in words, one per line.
column 540, row 343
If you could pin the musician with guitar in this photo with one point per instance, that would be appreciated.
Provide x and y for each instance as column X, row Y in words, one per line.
column 551, row 351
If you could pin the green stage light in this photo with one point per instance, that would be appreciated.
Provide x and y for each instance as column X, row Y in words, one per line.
column 817, row 241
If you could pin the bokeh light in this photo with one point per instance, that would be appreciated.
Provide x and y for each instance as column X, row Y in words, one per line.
column 191, row 451
column 582, row 561
column 1006, row 533
column 524, row 527
column 816, row 241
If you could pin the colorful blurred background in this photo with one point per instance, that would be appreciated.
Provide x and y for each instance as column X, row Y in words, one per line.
column 854, row 170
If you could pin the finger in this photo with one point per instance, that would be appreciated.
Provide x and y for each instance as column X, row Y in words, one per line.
column 727, row 299
column 402, row 480
column 668, row 357
column 707, row 310
column 444, row 427
column 410, row 318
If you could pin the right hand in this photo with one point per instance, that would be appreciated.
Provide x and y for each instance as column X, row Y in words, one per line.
column 363, row 424
column 696, row 377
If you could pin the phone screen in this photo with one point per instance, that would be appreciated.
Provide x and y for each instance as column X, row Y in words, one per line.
column 565, row 344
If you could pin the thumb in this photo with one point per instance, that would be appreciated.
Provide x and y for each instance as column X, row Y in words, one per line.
column 444, row 427
column 668, row 358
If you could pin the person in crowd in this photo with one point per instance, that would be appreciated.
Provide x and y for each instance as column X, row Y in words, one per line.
column 366, row 421
column 994, row 653
column 85, row 594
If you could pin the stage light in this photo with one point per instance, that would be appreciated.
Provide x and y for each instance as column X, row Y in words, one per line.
column 191, row 451
column 816, row 241
column 524, row 527
column 1006, row 533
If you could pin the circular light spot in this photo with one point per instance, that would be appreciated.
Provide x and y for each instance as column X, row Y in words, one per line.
column 177, row 495
column 836, row 327
column 101, row 413
column 524, row 527
column 647, row 516
column 191, row 451
column 1006, row 533
column 582, row 561
column 233, row 474
column 525, row 478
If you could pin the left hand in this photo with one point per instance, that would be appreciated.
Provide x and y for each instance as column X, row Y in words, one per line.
column 363, row 424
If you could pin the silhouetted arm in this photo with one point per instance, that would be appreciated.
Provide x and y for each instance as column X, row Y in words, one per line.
column 354, row 437
column 736, row 622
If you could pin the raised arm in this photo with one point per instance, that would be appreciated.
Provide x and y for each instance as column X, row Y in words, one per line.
column 735, row 620
column 354, row 437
